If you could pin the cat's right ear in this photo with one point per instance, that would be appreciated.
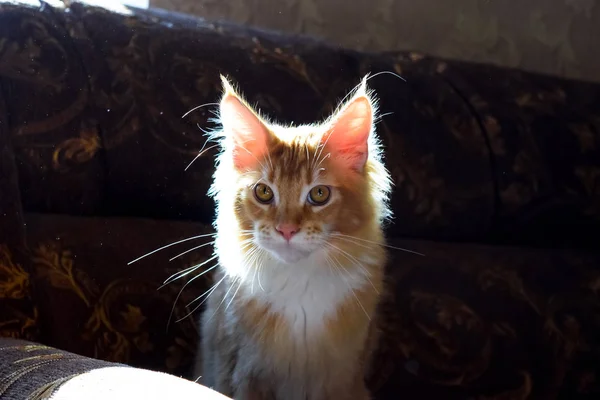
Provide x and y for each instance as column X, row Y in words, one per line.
column 247, row 133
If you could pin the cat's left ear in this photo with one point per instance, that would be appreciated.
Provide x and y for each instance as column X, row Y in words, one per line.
column 249, row 135
column 347, row 137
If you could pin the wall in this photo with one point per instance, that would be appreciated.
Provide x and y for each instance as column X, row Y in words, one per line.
column 559, row 37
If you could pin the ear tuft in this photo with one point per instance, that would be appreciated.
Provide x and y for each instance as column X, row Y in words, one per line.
column 227, row 86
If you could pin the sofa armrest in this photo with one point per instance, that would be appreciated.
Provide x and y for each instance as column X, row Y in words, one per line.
column 17, row 312
column 11, row 215
column 33, row 371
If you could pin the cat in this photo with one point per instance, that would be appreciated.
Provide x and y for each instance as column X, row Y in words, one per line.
column 301, row 253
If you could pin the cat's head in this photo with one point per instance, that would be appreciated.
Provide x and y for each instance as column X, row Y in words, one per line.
column 297, row 190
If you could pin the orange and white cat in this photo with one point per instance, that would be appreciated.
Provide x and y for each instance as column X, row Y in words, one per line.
column 301, row 254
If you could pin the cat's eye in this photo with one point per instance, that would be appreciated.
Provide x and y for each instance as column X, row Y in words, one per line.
column 319, row 195
column 263, row 193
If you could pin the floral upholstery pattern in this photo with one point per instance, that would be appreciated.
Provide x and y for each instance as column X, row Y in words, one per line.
column 92, row 176
column 18, row 312
column 115, row 311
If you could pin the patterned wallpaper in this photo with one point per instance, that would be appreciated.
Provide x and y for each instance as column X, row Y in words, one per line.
column 556, row 37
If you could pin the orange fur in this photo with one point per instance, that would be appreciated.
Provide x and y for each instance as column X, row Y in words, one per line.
column 342, row 153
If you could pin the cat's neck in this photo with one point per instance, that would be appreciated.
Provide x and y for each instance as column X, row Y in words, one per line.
column 273, row 275
column 306, row 293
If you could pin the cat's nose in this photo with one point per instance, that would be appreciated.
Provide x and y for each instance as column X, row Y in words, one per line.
column 287, row 230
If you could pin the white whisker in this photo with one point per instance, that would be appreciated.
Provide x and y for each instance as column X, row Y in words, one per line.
column 270, row 160
column 355, row 262
column 179, row 295
column 369, row 78
column 169, row 245
column 252, row 282
column 192, row 249
column 233, row 281
column 234, row 293
column 249, row 152
column 205, row 293
column 321, row 147
column 385, row 115
column 178, row 275
column 197, row 107
column 260, row 267
column 253, row 279
column 325, row 157
column 356, row 242
column 252, row 255
column 202, row 151
column 339, row 235
column 340, row 270
column 186, row 271
column 210, row 291
column 307, row 153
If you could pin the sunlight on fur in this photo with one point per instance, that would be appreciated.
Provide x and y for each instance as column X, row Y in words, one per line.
column 291, row 160
column 301, row 252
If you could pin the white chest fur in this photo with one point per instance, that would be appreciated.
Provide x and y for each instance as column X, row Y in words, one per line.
column 306, row 293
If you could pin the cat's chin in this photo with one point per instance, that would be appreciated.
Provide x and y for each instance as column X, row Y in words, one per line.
column 289, row 255
column 290, row 258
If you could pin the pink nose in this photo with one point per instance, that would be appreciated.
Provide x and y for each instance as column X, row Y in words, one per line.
column 287, row 230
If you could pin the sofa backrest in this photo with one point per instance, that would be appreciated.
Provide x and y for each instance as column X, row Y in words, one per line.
column 477, row 153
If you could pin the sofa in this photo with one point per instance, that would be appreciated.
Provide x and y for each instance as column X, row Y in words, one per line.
column 496, row 181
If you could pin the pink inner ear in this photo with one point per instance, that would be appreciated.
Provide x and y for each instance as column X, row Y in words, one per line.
column 250, row 136
column 348, row 138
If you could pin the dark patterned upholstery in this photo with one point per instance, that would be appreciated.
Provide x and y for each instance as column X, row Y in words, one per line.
column 18, row 313
column 497, row 181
